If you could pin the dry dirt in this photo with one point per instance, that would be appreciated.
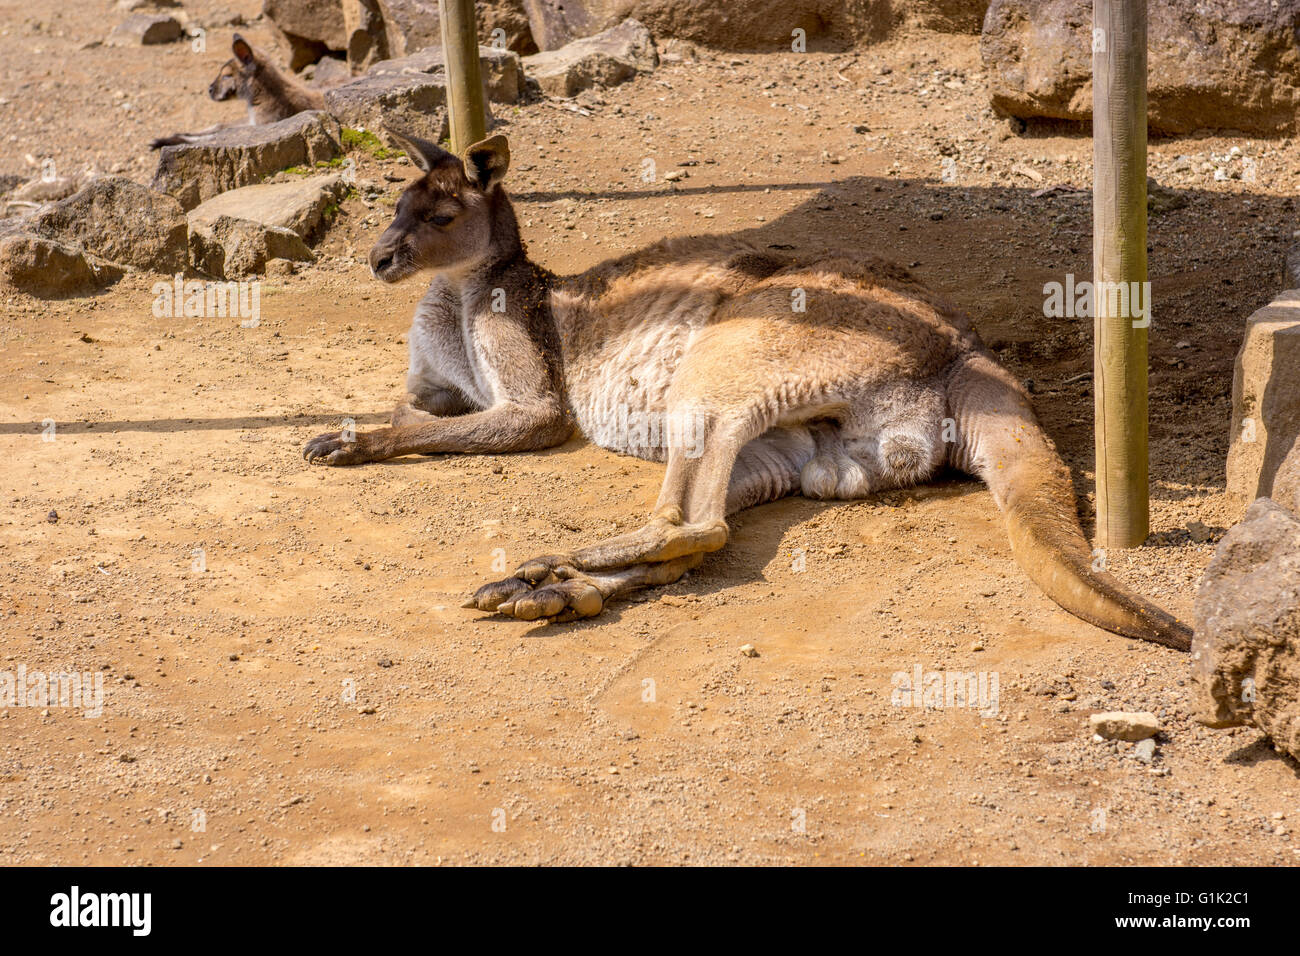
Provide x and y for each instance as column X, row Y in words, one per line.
column 228, row 691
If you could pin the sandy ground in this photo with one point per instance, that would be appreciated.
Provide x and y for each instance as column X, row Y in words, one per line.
column 288, row 676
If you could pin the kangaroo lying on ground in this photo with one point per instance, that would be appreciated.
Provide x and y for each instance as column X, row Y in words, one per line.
column 874, row 385
column 271, row 95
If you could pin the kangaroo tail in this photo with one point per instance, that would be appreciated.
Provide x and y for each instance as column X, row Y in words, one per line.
column 999, row 439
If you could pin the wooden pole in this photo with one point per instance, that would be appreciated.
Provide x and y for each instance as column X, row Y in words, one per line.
column 464, row 80
column 1119, row 214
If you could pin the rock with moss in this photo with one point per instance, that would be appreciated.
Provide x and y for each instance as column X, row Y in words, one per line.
column 244, row 155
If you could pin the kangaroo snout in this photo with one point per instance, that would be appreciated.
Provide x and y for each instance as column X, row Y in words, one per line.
column 382, row 257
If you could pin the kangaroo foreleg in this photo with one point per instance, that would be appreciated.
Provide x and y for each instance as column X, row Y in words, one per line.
column 506, row 427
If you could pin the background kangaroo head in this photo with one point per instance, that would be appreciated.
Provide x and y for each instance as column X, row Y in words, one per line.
column 445, row 218
column 235, row 78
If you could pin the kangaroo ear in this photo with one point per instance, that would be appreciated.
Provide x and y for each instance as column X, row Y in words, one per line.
column 243, row 52
column 423, row 153
column 486, row 162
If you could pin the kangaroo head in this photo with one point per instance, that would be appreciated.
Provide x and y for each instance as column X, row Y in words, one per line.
column 445, row 218
column 235, row 78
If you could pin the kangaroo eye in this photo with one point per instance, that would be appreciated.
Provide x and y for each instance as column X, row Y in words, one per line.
column 440, row 220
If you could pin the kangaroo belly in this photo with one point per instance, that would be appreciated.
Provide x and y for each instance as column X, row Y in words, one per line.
column 618, row 375
column 619, row 394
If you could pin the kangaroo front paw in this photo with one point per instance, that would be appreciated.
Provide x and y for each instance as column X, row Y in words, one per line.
column 332, row 449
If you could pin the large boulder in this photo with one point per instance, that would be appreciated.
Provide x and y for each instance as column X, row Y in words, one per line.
column 503, row 75
column 725, row 24
column 311, row 28
column 119, row 221
column 606, row 59
column 363, row 30
column 230, row 248
column 45, row 268
column 1211, row 63
column 416, row 102
column 411, row 25
column 1246, row 649
column 299, row 205
column 1265, row 398
column 238, row 232
column 370, row 30
column 1286, row 483
column 244, row 155
column 943, row 16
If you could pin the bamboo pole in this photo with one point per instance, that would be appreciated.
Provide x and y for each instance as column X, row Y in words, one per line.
column 464, row 80
column 1119, row 211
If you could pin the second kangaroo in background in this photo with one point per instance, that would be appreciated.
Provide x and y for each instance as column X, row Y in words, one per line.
column 270, row 93
column 754, row 375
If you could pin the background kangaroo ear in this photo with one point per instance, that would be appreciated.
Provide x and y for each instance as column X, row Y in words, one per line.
column 486, row 162
column 243, row 52
column 423, row 153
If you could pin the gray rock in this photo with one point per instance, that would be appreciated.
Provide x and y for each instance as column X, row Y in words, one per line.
column 145, row 29
column 1121, row 725
column 1210, row 65
column 239, row 232
column 47, row 268
column 244, row 155
column 1286, row 483
column 119, row 221
column 943, row 16
column 219, row 19
column 47, row 190
column 1145, row 750
column 229, row 248
column 729, row 24
column 310, row 27
column 1291, row 272
column 298, row 205
column 1265, row 399
column 43, row 267
column 606, row 59
column 410, row 25
column 412, row 101
column 503, row 74
column 328, row 72
column 1244, row 652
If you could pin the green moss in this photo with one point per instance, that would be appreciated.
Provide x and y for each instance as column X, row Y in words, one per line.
column 334, row 163
column 367, row 141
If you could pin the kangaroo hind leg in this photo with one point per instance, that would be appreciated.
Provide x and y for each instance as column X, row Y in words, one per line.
column 689, row 521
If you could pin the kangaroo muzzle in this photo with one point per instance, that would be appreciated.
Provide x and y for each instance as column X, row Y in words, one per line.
column 382, row 256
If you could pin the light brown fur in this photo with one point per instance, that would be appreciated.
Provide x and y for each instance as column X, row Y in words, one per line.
column 271, row 94
column 753, row 375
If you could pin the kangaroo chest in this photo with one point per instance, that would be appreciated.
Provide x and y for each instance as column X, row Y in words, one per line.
column 444, row 351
